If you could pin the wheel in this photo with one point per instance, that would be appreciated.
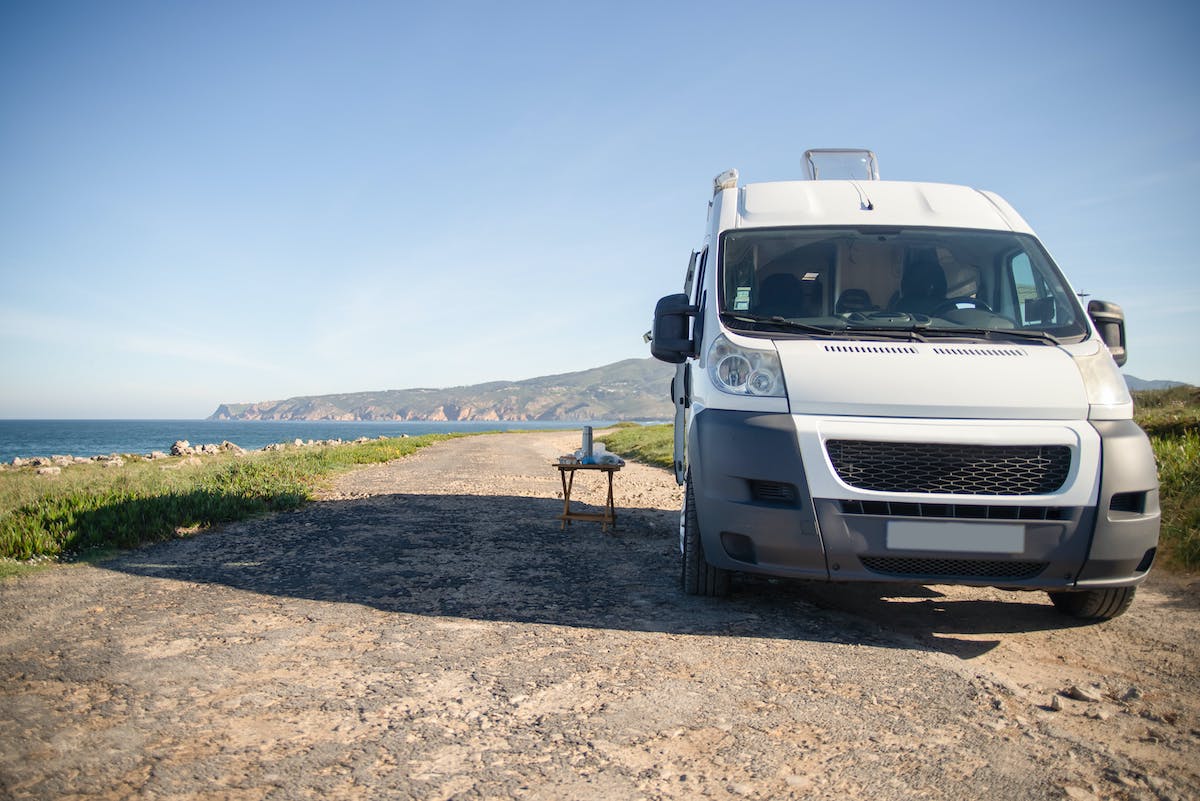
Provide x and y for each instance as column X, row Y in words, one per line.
column 699, row 577
column 1094, row 604
column 952, row 303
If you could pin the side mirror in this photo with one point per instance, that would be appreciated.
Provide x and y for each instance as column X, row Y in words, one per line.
column 670, row 341
column 1110, row 322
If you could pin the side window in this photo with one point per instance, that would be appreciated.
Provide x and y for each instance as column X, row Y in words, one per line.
column 1034, row 301
column 690, row 275
column 698, row 300
column 698, row 283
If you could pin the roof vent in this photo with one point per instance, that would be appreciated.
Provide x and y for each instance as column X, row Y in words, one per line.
column 841, row 164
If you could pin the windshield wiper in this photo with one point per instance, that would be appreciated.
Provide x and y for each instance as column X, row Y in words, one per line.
column 907, row 333
column 997, row 333
column 782, row 322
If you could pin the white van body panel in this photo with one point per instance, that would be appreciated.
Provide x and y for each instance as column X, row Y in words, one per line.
column 869, row 203
column 1002, row 381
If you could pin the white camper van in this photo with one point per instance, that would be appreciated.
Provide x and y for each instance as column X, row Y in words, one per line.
column 892, row 381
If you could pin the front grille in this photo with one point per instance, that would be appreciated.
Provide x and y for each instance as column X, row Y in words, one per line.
column 929, row 467
column 954, row 568
column 961, row 510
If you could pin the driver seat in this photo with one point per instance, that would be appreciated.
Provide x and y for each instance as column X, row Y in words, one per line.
column 923, row 284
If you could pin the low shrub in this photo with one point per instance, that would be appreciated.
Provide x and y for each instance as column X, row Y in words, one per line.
column 1179, row 487
column 1168, row 412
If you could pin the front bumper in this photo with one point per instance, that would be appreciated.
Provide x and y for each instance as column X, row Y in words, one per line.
column 753, row 477
column 1126, row 533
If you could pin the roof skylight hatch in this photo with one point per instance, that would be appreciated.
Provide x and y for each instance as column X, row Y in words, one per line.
column 841, row 164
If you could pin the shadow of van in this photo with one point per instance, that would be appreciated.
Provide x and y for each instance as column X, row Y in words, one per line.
column 504, row 558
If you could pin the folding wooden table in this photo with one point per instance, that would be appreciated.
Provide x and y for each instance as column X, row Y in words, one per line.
column 567, row 473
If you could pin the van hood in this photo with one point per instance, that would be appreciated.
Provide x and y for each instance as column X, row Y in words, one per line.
column 932, row 379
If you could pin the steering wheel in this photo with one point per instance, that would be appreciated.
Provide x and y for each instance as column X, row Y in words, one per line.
column 952, row 303
column 879, row 315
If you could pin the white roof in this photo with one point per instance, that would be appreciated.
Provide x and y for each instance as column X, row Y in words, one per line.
column 893, row 203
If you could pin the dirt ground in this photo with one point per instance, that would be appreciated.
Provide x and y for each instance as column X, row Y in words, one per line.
column 427, row 631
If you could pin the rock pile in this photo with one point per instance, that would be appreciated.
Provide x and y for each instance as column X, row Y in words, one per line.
column 184, row 448
column 53, row 465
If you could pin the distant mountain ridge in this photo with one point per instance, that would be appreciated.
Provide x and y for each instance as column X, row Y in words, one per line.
column 1134, row 382
column 633, row 389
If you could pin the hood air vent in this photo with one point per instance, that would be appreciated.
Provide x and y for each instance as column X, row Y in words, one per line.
column 943, row 350
column 903, row 349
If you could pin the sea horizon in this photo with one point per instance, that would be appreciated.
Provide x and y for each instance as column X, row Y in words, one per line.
column 86, row 437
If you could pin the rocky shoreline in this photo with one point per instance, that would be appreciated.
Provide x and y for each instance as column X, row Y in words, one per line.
column 53, row 465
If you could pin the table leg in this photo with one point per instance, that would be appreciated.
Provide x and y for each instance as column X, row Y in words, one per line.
column 612, row 510
column 567, row 486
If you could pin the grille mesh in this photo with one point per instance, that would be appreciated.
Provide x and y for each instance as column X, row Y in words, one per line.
column 960, row 510
column 953, row 568
column 950, row 469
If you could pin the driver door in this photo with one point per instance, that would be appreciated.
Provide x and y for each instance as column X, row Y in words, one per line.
column 681, row 384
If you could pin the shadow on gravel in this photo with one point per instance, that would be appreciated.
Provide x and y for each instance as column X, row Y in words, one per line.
column 504, row 558
column 934, row 618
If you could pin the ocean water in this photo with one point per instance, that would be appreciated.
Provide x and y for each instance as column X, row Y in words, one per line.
column 27, row 438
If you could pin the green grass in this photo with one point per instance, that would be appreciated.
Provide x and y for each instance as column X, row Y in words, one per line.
column 88, row 508
column 650, row 444
column 1171, row 417
column 1179, row 487
column 1168, row 412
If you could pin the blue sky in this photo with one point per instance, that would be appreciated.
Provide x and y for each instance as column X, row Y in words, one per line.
column 221, row 202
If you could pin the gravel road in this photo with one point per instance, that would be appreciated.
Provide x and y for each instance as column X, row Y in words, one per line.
column 427, row 631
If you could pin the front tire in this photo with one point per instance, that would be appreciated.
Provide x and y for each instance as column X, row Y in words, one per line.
column 699, row 577
column 1094, row 604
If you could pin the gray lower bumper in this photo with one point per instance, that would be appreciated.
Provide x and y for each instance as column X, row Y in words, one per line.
column 756, row 515
column 1126, row 532
column 751, row 495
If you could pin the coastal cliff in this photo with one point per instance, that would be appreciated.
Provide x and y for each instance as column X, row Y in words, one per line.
column 634, row 389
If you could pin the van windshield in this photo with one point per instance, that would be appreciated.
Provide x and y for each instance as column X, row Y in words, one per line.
column 940, row 282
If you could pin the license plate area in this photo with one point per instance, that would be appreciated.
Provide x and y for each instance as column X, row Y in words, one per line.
column 955, row 537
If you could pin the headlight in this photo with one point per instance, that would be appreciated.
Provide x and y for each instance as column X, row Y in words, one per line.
column 1107, row 393
column 745, row 371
